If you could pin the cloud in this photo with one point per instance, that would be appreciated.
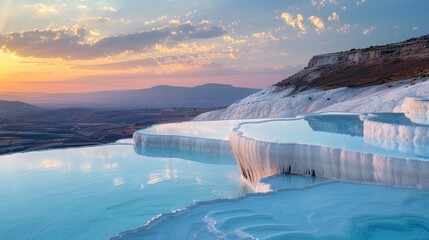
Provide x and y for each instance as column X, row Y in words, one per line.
column 153, row 21
column 232, row 40
column 334, row 17
column 298, row 22
column 43, row 9
column 174, row 22
column 203, row 70
column 415, row 28
column 318, row 23
column 360, row 2
column 344, row 28
column 322, row 3
column 82, row 7
column 73, row 43
column 143, row 63
column 92, row 20
column 109, row 9
column 367, row 31
column 295, row 22
column 265, row 35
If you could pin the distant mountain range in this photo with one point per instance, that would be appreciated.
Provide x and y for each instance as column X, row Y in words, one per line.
column 208, row 95
column 11, row 107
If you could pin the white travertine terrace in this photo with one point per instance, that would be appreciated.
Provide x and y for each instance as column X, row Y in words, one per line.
column 271, row 103
column 258, row 157
column 400, row 135
column 201, row 136
column 381, row 148
column 416, row 109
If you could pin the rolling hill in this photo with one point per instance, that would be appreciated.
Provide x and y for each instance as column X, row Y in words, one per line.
column 208, row 95
column 12, row 107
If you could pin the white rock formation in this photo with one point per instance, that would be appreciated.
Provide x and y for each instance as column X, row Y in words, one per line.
column 259, row 158
column 417, row 110
column 399, row 135
column 398, row 158
column 271, row 103
column 200, row 136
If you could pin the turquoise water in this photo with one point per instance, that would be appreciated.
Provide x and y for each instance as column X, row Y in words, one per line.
column 335, row 131
column 97, row 192
column 329, row 211
column 113, row 191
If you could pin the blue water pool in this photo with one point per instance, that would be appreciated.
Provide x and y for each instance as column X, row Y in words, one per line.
column 97, row 192
column 345, row 131
column 122, row 191
column 329, row 211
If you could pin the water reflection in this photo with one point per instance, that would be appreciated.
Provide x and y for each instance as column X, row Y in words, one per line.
column 396, row 132
column 210, row 129
column 188, row 154
column 286, row 181
column 326, row 211
column 118, row 182
column 161, row 175
column 343, row 124
column 51, row 164
column 393, row 134
column 57, row 194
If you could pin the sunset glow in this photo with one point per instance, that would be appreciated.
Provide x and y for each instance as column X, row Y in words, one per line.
column 82, row 46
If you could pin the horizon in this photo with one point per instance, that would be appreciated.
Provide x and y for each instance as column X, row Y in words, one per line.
column 65, row 46
column 124, row 90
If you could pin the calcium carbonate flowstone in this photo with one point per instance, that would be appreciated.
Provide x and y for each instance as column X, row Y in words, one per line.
column 274, row 103
column 329, row 146
column 196, row 136
column 335, row 146
column 325, row 211
column 416, row 109
column 397, row 132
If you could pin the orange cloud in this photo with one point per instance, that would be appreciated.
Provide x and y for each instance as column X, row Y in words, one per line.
column 318, row 23
column 295, row 22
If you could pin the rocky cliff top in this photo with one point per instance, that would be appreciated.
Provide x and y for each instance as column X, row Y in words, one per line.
column 414, row 48
column 364, row 67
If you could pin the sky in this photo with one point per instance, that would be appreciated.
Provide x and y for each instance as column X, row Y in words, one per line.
column 82, row 46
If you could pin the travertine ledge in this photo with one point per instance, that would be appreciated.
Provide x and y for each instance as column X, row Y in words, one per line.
column 416, row 109
column 259, row 159
column 382, row 148
column 182, row 142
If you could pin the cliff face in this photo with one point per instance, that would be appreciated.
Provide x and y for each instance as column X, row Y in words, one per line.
column 364, row 67
column 373, row 79
column 416, row 48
